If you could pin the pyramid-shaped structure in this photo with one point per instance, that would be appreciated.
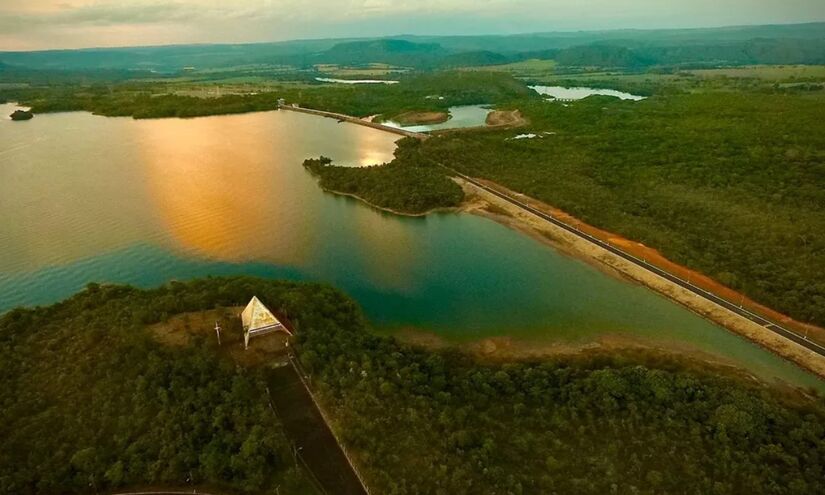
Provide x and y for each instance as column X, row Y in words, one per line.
column 257, row 320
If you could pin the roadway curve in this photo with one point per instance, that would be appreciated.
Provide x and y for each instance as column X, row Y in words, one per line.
column 764, row 322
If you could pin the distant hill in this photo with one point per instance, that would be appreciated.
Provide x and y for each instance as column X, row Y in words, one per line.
column 388, row 51
column 601, row 56
column 480, row 57
column 625, row 37
column 756, row 51
column 772, row 44
column 166, row 58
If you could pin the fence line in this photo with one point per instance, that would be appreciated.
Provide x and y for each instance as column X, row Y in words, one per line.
column 300, row 371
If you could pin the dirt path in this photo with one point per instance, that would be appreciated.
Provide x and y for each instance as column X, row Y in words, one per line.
column 506, row 118
column 516, row 217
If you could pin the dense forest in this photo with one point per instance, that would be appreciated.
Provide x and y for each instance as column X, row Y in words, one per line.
column 771, row 44
column 627, row 54
column 411, row 94
column 724, row 182
column 91, row 402
column 142, row 104
column 411, row 184
column 720, row 174
column 444, row 424
column 158, row 99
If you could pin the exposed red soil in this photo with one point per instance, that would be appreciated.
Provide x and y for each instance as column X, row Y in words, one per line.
column 654, row 257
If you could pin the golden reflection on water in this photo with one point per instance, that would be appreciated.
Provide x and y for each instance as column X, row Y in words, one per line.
column 371, row 148
column 230, row 188
column 220, row 192
column 62, row 198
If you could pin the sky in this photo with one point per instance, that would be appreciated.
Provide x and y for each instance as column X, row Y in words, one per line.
column 48, row 24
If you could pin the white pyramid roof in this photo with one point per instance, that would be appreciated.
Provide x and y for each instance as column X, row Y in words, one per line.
column 256, row 316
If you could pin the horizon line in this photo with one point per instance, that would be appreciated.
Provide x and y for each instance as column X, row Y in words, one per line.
column 402, row 35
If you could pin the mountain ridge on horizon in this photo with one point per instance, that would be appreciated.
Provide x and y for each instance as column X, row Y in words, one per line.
column 408, row 36
column 725, row 45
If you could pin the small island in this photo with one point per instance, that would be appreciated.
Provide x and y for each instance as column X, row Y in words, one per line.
column 421, row 118
column 21, row 115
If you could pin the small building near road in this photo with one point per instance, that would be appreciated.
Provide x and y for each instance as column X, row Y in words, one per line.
column 258, row 320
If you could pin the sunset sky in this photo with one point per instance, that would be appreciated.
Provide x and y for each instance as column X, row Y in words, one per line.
column 43, row 24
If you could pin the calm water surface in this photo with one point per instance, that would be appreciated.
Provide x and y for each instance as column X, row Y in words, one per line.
column 355, row 81
column 86, row 198
column 460, row 117
column 580, row 93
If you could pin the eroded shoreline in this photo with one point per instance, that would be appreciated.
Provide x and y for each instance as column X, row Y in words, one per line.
column 482, row 203
column 488, row 205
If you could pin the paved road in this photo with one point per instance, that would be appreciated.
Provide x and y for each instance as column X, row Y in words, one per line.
column 770, row 325
column 313, row 442
column 355, row 120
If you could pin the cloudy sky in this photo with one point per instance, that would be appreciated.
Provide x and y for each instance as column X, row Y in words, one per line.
column 41, row 24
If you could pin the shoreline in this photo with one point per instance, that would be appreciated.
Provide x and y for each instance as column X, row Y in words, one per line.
column 520, row 220
column 517, row 219
column 414, row 118
column 484, row 204
column 355, row 120
column 384, row 209
column 505, row 349
column 551, row 235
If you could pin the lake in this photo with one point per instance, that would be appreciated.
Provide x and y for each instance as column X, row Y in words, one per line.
column 354, row 81
column 460, row 117
column 562, row 93
column 87, row 198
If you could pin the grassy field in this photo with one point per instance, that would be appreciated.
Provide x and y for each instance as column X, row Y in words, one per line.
column 767, row 72
column 526, row 69
column 371, row 70
column 663, row 80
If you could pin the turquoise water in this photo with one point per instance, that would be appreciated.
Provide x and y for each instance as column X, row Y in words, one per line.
column 460, row 117
column 86, row 198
